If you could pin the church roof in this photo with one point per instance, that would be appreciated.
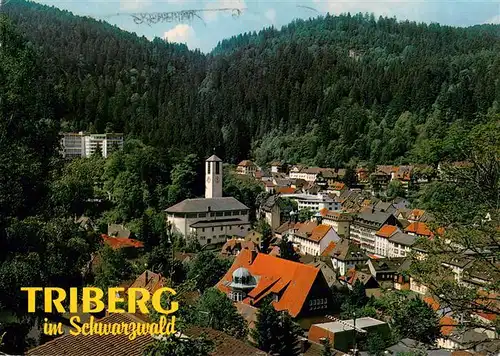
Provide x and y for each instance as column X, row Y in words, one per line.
column 213, row 158
column 203, row 205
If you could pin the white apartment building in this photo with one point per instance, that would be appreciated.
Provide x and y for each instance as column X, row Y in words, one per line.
column 400, row 244
column 314, row 202
column 84, row 145
column 365, row 226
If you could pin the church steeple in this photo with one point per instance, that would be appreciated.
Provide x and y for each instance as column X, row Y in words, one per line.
column 213, row 177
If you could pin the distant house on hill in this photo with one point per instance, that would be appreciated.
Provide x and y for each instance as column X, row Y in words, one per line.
column 246, row 167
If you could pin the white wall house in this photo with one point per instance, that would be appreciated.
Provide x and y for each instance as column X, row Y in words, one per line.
column 314, row 202
column 214, row 218
column 346, row 255
column 400, row 244
column 246, row 167
column 341, row 222
column 313, row 239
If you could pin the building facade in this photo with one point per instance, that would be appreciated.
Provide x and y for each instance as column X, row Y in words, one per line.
column 365, row 226
column 314, row 202
column 214, row 218
column 85, row 145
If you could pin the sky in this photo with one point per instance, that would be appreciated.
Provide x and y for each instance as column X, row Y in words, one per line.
column 257, row 14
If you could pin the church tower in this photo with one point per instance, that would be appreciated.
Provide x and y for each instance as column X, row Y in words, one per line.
column 213, row 177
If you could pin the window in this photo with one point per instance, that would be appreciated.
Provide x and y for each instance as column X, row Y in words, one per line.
column 202, row 229
column 213, row 229
column 209, row 241
column 217, row 168
column 208, row 167
column 222, row 228
column 219, row 213
column 202, row 215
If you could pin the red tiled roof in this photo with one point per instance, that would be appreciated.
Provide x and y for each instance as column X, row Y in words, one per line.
column 149, row 280
column 338, row 185
column 246, row 163
column 112, row 345
column 328, row 249
column 432, row 303
column 292, row 279
column 419, row 228
column 447, row 325
column 387, row 231
column 324, row 212
column 286, row 190
column 121, row 242
column 416, row 214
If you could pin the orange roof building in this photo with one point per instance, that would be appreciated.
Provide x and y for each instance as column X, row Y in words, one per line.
column 313, row 238
column 299, row 289
column 386, row 231
column 121, row 242
column 419, row 229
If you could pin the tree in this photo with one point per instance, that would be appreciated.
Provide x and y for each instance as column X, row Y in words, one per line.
column 415, row 319
column 207, row 269
column 376, row 344
column 215, row 310
column 180, row 346
column 267, row 234
column 275, row 332
column 395, row 189
column 327, row 349
column 113, row 268
column 287, row 251
column 305, row 215
column 183, row 179
column 465, row 204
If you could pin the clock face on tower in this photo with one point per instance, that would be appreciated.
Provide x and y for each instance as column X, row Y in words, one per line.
column 208, row 179
column 217, row 179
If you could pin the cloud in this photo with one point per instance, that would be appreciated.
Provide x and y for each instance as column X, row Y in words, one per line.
column 182, row 33
column 271, row 15
column 494, row 19
column 211, row 16
column 134, row 5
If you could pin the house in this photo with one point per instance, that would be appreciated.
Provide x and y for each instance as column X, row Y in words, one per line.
column 118, row 230
column 297, row 288
column 312, row 238
column 246, row 167
column 276, row 167
column 346, row 255
column 353, row 276
column 314, row 202
column 213, row 218
column 400, row 203
column 362, row 174
column 234, row 246
column 379, row 179
column 382, row 237
column 120, row 344
column 269, row 186
column 365, row 226
column 327, row 271
column 400, row 244
column 418, row 287
column 457, row 264
column 402, row 277
column 337, row 188
column 284, row 229
column 121, row 243
column 419, row 229
column 456, row 338
column 271, row 212
column 150, row 281
column 385, row 269
column 341, row 333
column 340, row 221
column 86, row 223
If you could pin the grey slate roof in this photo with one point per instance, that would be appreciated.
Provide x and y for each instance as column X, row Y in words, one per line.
column 213, row 158
column 403, row 239
column 375, row 217
column 202, row 205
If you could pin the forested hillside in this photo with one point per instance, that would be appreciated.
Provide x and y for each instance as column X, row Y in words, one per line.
column 326, row 91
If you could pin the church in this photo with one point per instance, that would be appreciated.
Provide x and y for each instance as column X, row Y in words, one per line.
column 214, row 218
